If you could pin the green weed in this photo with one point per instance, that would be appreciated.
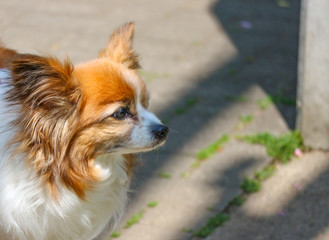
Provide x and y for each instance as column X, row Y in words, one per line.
column 180, row 111
column 238, row 200
column 280, row 148
column 249, row 186
column 264, row 103
column 152, row 204
column 283, row 100
column 116, row 234
column 165, row 175
column 191, row 101
column 265, row 173
column 196, row 164
column 185, row 230
column 211, row 209
column 212, row 148
column 246, row 119
column 212, row 224
column 236, row 98
column 134, row 219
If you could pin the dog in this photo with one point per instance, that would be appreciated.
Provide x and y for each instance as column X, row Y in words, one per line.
column 67, row 138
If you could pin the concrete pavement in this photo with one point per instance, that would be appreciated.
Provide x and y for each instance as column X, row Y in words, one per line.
column 293, row 204
column 207, row 63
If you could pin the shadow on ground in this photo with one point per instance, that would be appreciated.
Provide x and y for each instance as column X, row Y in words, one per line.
column 267, row 57
column 301, row 217
column 268, row 50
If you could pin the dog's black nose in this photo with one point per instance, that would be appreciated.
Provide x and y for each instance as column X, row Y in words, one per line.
column 160, row 131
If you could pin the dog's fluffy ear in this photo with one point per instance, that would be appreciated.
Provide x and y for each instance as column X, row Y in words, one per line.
column 120, row 47
column 49, row 99
column 43, row 83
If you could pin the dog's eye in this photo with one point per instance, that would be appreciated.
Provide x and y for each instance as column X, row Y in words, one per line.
column 121, row 113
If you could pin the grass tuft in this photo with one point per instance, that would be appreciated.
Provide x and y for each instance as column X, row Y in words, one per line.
column 186, row 230
column 165, row 175
column 264, row 103
column 191, row 101
column 134, row 219
column 265, row 173
column 245, row 119
column 212, row 148
column 152, row 204
column 238, row 200
column 236, row 98
column 179, row 111
column 211, row 225
column 116, row 234
column 280, row 148
column 195, row 164
column 249, row 185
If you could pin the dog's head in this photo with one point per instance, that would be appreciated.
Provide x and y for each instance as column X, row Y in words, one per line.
column 115, row 99
column 69, row 115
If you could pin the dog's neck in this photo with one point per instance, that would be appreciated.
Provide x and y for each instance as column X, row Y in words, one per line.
column 104, row 202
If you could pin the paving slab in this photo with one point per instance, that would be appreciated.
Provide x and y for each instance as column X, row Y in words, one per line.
column 183, row 198
column 293, row 204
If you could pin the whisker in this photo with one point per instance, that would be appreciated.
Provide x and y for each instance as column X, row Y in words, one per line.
column 174, row 131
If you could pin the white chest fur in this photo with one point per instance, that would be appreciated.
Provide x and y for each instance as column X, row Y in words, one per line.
column 27, row 211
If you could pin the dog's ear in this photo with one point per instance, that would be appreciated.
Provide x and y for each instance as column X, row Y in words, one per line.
column 120, row 47
column 43, row 83
column 47, row 96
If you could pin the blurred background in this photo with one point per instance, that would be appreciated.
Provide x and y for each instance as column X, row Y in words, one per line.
column 217, row 71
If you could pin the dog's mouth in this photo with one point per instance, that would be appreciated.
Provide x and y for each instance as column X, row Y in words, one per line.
column 155, row 146
column 131, row 149
column 157, row 139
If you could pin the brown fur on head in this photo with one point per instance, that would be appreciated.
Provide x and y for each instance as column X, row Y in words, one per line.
column 66, row 112
column 6, row 56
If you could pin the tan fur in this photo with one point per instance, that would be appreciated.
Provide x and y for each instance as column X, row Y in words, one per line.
column 101, row 83
column 6, row 56
column 120, row 49
column 131, row 163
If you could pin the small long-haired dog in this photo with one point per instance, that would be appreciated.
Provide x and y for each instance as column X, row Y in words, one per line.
column 67, row 135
